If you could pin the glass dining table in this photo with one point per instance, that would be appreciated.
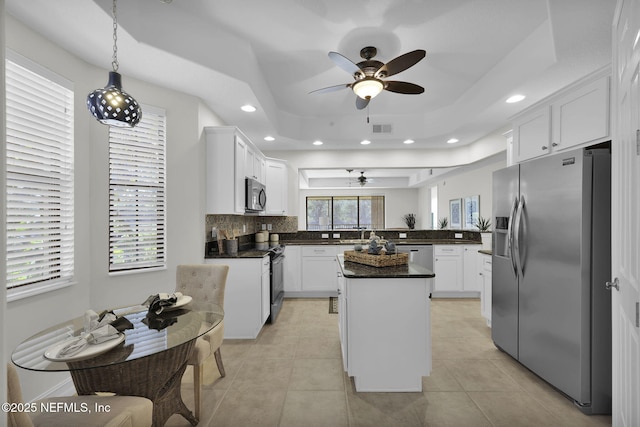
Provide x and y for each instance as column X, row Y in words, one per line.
column 147, row 360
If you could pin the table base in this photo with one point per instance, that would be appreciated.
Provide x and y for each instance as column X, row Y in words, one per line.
column 157, row 377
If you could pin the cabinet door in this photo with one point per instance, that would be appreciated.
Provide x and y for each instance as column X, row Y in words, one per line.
column 239, row 184
column 249, row 163
column 470, row 268
column 318, row 274
column 292, row 270
column 276, row 183
column 532, row 135
column 582, row 116
column 486, row 289
column 266, row 288
column 342, row 318
column 448, row 273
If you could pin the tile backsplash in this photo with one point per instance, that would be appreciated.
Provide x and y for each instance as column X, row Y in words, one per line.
column 244, row 225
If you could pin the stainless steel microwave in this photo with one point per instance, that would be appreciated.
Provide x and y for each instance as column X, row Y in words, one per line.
column 255, row 196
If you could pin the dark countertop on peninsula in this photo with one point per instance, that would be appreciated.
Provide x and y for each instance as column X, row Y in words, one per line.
column 352, row 270
column 486, row 251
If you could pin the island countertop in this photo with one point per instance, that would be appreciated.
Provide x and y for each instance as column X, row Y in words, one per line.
column 354, row 270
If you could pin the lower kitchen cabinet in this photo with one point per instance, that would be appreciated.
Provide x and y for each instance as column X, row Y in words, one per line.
column 247, row 300
column 484, row 272
column 455, row 269
column 319, row 270
column 292, row 270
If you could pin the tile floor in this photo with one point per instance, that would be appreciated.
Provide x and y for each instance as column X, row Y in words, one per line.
column 291, row 376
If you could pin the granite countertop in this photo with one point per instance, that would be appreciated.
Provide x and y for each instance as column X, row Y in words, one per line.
column 398, row 242
column 485, row 251
column 248, row 253
column 353, row 270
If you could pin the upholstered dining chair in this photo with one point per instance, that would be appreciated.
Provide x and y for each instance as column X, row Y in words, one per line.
column 131, row 411
column 204, row 282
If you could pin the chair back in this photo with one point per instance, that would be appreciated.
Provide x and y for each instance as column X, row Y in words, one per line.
column 203, row 282
column 14, row 395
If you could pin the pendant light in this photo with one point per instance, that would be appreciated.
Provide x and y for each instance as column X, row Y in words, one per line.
column 111, row 105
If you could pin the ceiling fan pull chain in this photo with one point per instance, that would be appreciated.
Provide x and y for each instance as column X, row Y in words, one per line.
column 367, row 113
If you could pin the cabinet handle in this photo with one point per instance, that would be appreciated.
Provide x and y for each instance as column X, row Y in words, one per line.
column 544, row 147
column 554, row 144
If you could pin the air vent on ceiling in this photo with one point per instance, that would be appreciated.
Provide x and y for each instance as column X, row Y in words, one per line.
column 387, row 128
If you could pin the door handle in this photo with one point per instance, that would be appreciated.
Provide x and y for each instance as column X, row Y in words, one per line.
column 510, row 235
column 516, row 232
column 614, row 284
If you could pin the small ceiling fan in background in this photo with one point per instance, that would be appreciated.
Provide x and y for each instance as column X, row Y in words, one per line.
column 362, row 180
column 370, row 74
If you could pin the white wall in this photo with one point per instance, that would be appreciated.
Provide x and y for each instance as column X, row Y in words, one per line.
column 397, row 203
column 475, row 182
column 3, row 257
column 95, row 288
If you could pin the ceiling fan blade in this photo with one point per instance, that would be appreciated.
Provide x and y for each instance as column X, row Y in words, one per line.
column 403, row 87
column 361, row 104
column 400, row 63
column 332, row 88
column 345, row 63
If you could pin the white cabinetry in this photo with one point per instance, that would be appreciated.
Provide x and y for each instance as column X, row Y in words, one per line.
column 342, row 318
column 484, row 275
column 319, row 270
column 577, row 115
column 230, row 158
column 292, row 270
column 244, row 296
column 469, row 268
column 276, row 183
column 266, row 288
column 455, row 269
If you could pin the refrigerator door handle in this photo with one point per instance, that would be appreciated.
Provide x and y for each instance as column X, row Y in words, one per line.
column 516, row 232
column 510, row 236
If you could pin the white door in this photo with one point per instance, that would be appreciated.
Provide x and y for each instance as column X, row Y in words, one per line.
column 626, row 215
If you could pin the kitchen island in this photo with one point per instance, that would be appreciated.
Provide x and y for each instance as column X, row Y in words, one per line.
column 385, row 325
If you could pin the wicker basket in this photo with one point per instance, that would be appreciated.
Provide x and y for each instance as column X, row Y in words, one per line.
column 376, row 260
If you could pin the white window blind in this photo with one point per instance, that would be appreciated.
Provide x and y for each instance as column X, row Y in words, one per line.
column 137, row 193
column 39, row 186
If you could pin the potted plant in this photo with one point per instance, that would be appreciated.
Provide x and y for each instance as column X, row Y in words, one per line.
column 443, row 223
column 483, row 225
column 410, row 220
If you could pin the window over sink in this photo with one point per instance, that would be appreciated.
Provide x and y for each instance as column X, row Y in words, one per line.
column 345, row 212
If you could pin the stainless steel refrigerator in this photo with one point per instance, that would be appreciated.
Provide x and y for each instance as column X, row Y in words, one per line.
column 551, row 259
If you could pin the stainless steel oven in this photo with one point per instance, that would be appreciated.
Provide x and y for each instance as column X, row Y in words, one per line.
column 277, row 281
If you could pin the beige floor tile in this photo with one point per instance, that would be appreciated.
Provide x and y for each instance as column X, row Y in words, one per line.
column 314, row 409
column 386, row 409
column 265, row 375
column 282, row 347
column 453, row 409
column 450, row 348
column 480, row 375
column 319, row 348
column 513, row 409
column 441, row 379
column 317, row 374
column 255, row 408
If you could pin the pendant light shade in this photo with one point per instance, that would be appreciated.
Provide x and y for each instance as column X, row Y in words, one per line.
column 112, row 106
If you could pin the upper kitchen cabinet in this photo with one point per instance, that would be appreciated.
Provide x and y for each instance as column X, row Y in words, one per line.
column 577, row 115
column 277, row 188
column 231, row 158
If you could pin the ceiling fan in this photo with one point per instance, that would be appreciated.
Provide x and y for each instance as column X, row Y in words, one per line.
column 369, row 75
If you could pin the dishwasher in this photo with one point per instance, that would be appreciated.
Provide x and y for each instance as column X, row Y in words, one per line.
column 419, row 254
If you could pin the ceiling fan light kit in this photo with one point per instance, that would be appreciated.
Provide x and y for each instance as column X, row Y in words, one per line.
column 111, row 105
column 369, row 75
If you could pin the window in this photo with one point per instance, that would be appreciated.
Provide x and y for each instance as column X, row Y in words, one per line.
column 137, row 194
column 39, row 185
column 345, row 212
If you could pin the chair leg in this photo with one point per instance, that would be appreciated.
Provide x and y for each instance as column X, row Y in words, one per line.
column 218, row 356
column 198, row 377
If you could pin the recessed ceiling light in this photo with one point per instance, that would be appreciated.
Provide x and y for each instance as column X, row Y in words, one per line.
column 248, row 108
column 269, row 138
column 408, row 141
column 317, row 142
column 514, row 98
column 452, row 141
column 365, row 142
